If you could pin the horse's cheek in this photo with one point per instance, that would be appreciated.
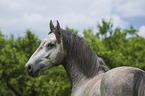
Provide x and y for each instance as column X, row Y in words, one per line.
column 58, row 57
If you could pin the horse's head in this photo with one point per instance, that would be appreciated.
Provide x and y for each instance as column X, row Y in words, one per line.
column 50, row 52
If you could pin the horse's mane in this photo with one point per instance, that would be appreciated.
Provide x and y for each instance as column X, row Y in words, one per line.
column 103, row 66
column 78, row 49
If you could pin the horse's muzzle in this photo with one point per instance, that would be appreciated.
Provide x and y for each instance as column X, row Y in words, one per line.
column 32, row 71
column 29, row 69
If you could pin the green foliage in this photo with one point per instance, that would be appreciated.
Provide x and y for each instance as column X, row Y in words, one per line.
column 72, row 30
column 105, row 28
column 14, row 80
column 2, row 41
column 116, row 46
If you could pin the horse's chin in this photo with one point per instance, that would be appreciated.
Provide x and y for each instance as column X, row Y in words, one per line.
column 36, row 74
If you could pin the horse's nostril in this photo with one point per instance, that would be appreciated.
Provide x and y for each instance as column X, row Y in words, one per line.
column 29, row 68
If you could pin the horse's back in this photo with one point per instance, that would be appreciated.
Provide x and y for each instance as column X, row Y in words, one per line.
column 123, row 81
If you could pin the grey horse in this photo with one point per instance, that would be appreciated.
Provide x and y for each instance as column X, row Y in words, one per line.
column 88, row 73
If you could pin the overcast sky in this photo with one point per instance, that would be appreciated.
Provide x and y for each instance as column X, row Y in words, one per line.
column 16, row 16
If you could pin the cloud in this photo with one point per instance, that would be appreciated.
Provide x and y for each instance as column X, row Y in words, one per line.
column 129, row 8
column 88, row 16
column 142, row 31
column 26, row 14
column 18, row 16
column 118, row 22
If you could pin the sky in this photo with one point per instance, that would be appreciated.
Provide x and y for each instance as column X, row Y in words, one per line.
column 18, row 16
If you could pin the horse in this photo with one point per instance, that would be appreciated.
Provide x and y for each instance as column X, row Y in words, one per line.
column 88, row 73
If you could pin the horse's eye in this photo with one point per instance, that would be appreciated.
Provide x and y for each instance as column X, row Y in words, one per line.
column 50, row 45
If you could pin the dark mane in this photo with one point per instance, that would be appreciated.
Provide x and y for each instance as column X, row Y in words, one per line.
column 78, row 49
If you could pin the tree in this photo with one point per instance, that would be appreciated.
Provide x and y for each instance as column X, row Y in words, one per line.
column 14, row 79
column 117, row 47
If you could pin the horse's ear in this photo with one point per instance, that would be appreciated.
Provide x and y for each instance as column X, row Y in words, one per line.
column 58, row 27
column 51, row 25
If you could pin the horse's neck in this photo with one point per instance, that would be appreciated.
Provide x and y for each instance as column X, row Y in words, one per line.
column 76, row 75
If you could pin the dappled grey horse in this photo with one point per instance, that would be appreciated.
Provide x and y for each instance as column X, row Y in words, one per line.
column 88, row 73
